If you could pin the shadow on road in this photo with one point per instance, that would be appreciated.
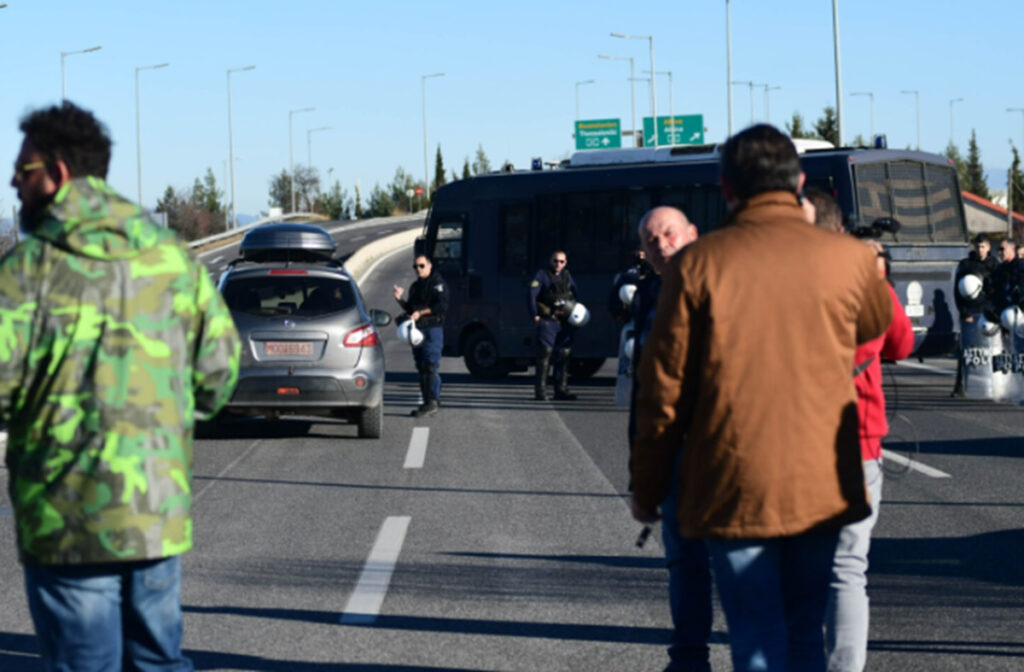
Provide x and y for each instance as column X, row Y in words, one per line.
column 993, row 557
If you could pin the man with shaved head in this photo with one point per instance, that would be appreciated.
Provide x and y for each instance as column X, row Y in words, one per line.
column 663, row 232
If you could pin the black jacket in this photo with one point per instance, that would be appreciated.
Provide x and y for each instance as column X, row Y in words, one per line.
column 430, row 292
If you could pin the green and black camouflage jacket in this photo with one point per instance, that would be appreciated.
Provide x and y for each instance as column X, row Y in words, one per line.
column 113, row 340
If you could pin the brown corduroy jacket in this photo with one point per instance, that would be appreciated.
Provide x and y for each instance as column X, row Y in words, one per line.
column 748, row 370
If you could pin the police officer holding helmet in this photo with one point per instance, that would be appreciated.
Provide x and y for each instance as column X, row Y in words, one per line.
column 426, row 306
column 552, row 300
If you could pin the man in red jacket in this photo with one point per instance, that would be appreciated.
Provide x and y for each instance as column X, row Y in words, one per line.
column 846, row 618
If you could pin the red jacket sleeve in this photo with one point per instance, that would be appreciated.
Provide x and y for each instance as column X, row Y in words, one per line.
column 899, row 337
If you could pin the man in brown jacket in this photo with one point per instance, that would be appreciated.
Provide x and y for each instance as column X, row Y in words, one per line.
column 748, row 371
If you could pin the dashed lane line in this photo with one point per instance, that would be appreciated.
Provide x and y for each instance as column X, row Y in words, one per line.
column 417, row 453
column 365, row 602
column 915, row 465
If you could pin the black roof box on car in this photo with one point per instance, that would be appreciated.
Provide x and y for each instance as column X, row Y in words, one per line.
column 287, row 241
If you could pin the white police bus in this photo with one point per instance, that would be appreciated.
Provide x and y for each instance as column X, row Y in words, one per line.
column 489, row 234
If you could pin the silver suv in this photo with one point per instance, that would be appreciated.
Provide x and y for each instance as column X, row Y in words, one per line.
column 309, row 345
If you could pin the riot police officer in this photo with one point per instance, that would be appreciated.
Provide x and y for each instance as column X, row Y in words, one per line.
column 426, row 305
column 551, row 300
column 972, row 300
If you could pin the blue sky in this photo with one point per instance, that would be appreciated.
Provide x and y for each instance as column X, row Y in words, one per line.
column 510, row 73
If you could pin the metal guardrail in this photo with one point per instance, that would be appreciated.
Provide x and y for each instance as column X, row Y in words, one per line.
column 296, row 217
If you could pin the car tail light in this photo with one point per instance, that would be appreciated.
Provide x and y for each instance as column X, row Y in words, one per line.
column 288, row 390
column 363, row 336
column 287, row 271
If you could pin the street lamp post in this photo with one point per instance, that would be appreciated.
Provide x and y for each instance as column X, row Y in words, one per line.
column 917, row 107
column 578, row 84
column 839, row 74
column 951, row 102
column 1021, row 110
column 138, row 121
column 654, row 93
column 751, row 85
column 871, row 100
column 728, row 65
column 426, row 165
column 309, row 142
column 231, row 147
column 767, row 104
column 671, row 102
column 291, row 153
column 632, row 89
column 63, row 73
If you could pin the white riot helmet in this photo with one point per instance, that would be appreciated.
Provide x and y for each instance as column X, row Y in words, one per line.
column 987, row 326
column 579, row 315
column 1012, row 320
column 408, row 333
column 970, row 286
column 629, row 347
column 626, row 293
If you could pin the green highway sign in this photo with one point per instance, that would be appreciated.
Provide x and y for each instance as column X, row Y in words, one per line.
column 598, row 134
column 685, row 129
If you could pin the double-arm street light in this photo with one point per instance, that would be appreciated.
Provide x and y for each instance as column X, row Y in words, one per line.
column 632, row 89
column 751, row 85
column 578, row 85
column 291, row 152
column 767, row 105
column 231, row 146
column 309, row 142
column 63, row 70
column 871, row 100
column 654, row 93
column 951, row 102
column 138, row 121
column 917, row 107
column 426, row 164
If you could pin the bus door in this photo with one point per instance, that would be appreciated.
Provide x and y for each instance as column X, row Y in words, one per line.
column 450, row 261
column 515, row 325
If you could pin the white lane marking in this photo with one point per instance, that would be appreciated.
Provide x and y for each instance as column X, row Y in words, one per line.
column 915, row 465
column 417, row 454
column 926, row 367
column 356, row 238
column 365, row 602
column 214, row 261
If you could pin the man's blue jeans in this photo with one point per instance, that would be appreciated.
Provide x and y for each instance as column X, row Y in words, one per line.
column 103, row 618
column 427, row 356
column 689, row 593
column 774, row 592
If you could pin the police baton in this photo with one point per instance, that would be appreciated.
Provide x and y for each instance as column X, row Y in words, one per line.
column 642, row 537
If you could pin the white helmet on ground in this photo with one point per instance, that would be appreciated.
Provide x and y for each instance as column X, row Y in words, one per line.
column 626, row 293
column 408, row 333
column 1012, row 320
column 579, row 315
column 987, row 326
column 970, row 286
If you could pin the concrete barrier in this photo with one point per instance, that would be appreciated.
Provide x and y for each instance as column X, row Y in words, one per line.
column 363, row 258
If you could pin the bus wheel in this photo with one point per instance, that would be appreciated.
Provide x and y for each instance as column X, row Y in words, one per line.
column 482, row 358
column 582, row 368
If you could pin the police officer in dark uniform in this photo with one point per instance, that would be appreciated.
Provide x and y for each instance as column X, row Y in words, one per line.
column 982, row 264
column 551, row 299
column 634, row 275
column 426, row 305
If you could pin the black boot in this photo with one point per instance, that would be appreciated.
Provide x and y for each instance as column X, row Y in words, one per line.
column 424, row 381
column 540, row 389
column 562, row 392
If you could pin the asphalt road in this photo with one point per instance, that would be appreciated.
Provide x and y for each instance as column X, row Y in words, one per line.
column 496, row 535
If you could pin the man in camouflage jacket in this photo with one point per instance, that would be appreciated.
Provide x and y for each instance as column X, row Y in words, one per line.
column 113, row 341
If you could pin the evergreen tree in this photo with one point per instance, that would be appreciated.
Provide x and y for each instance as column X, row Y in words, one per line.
column 465, row 169
column 859, row 141
column 380, row 203
column 1015, row 187
column 796, row 129
column 439, row 177
column 359, row 202
column 976, row 183
column 455, row 176
column 307, row 189
column 334, row 203
column 827, row 127
column 195, row 212
column 953, row 153
column 481, row 164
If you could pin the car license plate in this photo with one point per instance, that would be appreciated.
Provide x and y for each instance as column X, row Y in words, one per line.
column 289, row 348
column 915, row 310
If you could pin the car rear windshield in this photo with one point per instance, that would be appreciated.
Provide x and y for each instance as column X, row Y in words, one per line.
column 298, row 295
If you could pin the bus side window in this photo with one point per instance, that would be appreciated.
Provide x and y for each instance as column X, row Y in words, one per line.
column 448, row 250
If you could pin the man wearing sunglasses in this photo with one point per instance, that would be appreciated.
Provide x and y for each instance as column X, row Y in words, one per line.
column 551, row 298
column 114, row 342
column 426, row 306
